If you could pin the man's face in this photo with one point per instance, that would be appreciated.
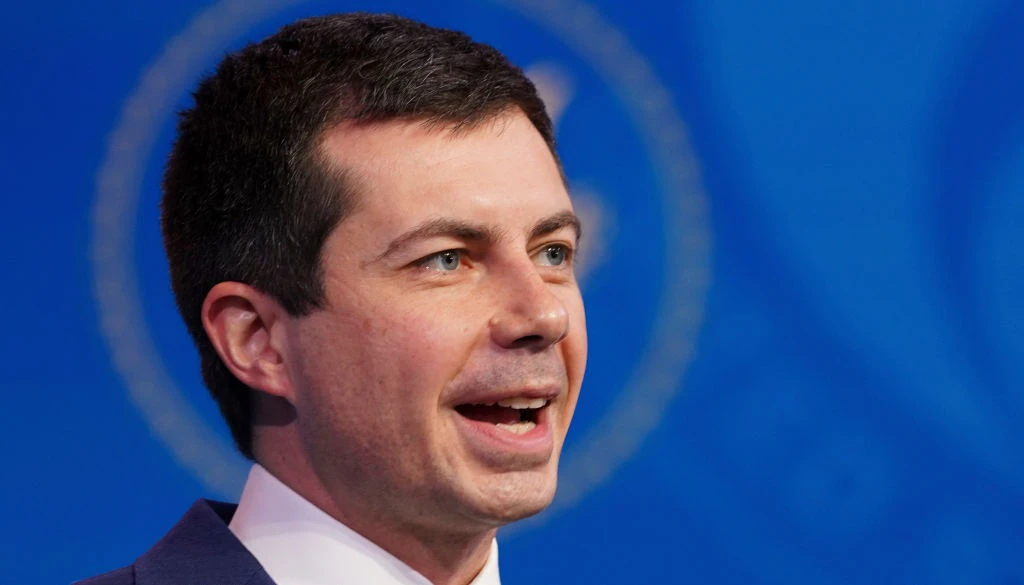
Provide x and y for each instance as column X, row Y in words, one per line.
column 449, row 288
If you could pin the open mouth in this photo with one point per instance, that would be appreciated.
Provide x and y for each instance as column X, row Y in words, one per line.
column 514, row 415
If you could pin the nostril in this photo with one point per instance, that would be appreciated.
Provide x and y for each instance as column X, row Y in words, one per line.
column 527, row 341
column 523, row 327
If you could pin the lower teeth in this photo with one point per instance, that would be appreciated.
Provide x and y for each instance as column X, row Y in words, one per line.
column 517, row 428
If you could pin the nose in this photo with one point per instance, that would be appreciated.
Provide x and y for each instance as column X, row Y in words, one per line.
column 530, row 314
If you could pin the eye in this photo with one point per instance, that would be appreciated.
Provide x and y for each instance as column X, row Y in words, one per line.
column 554, row 255
column 446, row 261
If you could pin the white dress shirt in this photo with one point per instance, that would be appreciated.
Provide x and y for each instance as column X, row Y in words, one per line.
column 299, row 544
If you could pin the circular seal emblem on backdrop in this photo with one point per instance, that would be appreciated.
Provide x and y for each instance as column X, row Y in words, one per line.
column 677, row 306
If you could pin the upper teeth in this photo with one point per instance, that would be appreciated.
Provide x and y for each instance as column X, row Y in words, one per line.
column 520, row 403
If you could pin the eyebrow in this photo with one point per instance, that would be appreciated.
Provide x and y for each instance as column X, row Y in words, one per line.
column 435, row 228
column 454, row 228
column 558, row 221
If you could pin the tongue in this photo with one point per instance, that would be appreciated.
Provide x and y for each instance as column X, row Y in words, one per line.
column 489, row 414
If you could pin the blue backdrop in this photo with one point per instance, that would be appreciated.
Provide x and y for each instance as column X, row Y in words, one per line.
column 804, row 285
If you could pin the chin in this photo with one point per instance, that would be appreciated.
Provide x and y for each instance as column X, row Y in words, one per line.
column 515, row 496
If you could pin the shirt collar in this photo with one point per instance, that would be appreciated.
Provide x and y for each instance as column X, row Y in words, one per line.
column 300, row 544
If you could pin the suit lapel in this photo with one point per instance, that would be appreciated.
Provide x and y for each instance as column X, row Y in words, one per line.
column 200, row 550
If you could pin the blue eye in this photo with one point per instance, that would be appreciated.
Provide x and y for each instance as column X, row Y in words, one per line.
column 446, row 261
column 554, row 255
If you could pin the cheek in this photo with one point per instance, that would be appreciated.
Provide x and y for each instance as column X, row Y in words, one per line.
column 403, row 358
column 574, row 351
column 404, row 349
column 428, row 337
column 576, row 342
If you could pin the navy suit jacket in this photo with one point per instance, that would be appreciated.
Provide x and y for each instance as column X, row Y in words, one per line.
column 199, row 550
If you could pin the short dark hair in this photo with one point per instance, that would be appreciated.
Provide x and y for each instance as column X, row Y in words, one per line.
column 247, row 195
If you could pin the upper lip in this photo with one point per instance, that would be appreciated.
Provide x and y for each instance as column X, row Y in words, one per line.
column 548, row 392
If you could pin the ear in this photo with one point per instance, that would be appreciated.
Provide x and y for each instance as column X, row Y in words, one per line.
column 246, row 327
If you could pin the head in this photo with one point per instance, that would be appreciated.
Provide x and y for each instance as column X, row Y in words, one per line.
column 369, row 234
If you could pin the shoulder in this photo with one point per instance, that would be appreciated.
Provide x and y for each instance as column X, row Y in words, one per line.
column 122, row 576
column 198, row 546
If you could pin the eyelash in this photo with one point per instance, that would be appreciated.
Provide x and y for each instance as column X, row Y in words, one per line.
column 568, row 251
column 425, row 262
column 568, row 260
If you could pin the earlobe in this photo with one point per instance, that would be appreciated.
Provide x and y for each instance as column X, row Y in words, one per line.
column 244, row 326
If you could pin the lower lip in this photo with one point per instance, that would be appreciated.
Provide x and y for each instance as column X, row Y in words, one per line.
column 486, row 437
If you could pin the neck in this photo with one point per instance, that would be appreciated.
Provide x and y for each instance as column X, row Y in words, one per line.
column 443, row 557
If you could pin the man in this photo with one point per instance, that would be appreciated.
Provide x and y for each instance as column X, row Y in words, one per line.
column 371, row 242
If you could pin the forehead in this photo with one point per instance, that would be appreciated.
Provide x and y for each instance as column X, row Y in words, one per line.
column 499, row 171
